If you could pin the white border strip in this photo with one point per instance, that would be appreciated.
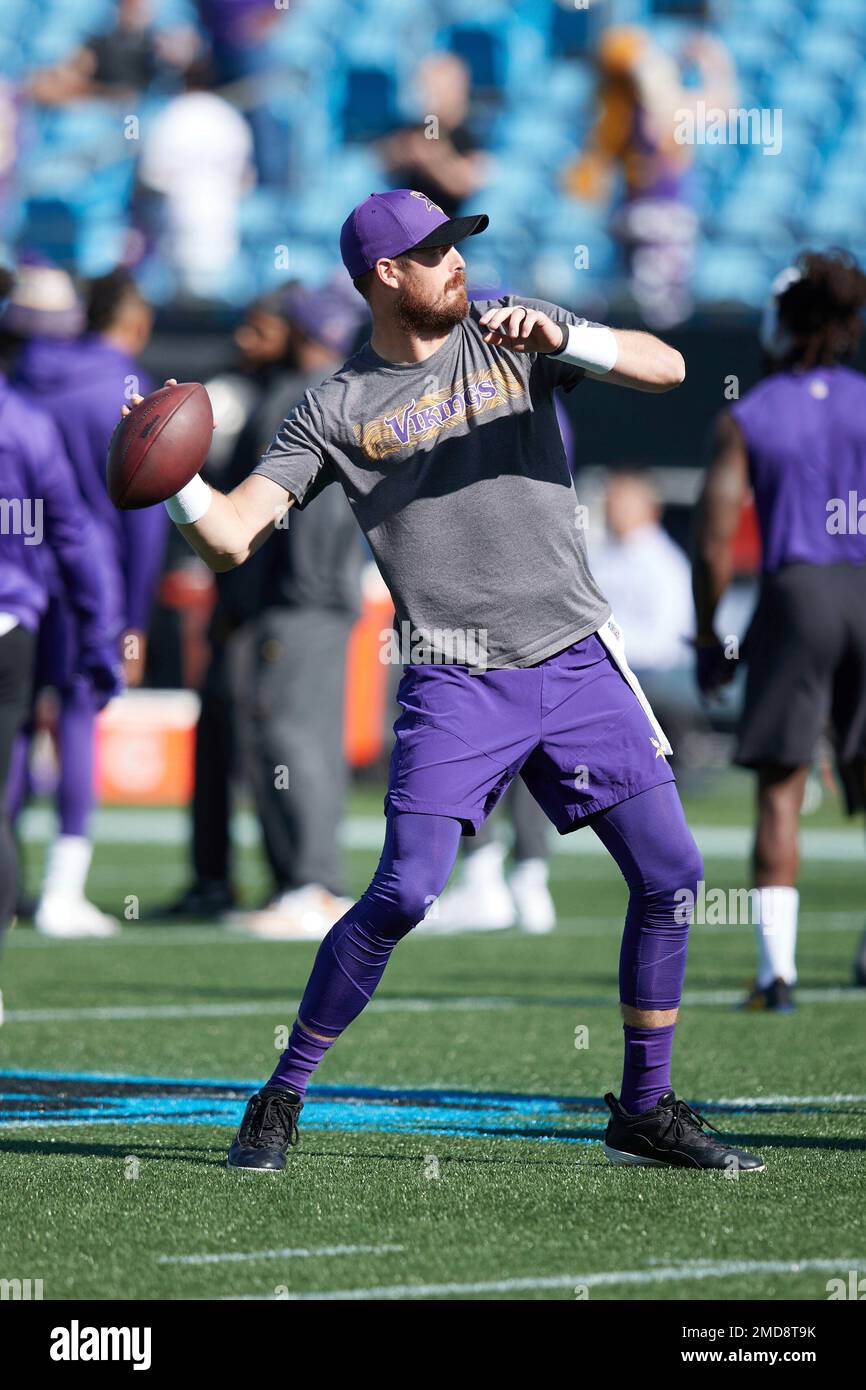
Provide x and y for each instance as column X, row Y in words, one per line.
column 723, row 1269
column 482, row 1004
column 287, row 1254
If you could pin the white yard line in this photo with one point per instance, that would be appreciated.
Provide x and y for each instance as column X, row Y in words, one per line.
column 832, row 994
column 207, row 934
column 482, row 1003
column 722, row 1269
column 151, row 826
column 287, row 1254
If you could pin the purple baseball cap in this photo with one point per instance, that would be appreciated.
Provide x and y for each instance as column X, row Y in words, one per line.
column 387, row 224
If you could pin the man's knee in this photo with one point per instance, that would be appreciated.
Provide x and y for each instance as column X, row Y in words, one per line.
column 409, row 898
column 679, row 871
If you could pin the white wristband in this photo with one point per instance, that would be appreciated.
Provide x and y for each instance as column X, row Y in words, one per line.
column 191, row 503
column 589, row 345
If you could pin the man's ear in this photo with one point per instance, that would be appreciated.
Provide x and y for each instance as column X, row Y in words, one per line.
column 386, row 271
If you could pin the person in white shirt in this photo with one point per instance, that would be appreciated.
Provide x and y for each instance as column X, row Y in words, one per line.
column 646, row 577
column 198, row 154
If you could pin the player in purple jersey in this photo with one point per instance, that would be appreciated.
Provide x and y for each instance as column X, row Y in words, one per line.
column 76, row 379
column 46, row 537
column 798, row 439
column 443, row 433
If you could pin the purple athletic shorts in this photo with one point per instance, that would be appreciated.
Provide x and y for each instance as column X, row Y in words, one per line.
column 571, row 727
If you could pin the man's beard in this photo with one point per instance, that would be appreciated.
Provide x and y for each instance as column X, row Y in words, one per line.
column 420, row 316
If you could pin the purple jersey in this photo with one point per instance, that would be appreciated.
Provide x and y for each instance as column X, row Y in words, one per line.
column 806, row 436
column 82, row 384
column 45, row 529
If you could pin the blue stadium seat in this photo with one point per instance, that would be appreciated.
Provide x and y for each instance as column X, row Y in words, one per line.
column 484, row 53
column 50, row 225
column 834, row 217
column 731, row 274
column 751, row 47
column 573, row 31
column 828, row 51
column 805, row 91
column 761, row 199
column 569, row 88
column 843, row 178
column 369, row 104
column 848, row 16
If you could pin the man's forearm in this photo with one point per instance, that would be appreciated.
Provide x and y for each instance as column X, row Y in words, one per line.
column 218, row 537
column 622, row 357
column 645, row 363
column 236, row 524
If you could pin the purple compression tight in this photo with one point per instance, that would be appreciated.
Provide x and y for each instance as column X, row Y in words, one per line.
column 650, row 841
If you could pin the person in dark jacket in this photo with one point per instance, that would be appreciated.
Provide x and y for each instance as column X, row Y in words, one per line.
column 76, row 378
column 47, row 540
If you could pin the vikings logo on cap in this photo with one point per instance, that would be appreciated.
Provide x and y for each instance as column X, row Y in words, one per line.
column 428, row 202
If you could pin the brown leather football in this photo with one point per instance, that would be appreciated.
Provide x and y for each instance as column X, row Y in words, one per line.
column 159, row 446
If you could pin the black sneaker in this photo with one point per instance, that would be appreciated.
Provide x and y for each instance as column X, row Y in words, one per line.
column 671, row 1135
column 206, row 898
column 269, row 1128
column 860, row 964
column 777, row 997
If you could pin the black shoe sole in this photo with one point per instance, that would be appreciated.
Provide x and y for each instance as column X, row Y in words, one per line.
column 245, row 1168
column 620, row 1158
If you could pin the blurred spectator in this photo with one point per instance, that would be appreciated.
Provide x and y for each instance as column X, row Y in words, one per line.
column 646, row 578
column 239, row 33
column 310, row 598
column 118, row 63
column 440, row 156
column 263, row 342
column 197, row 157
column 273, row 693
column 640, row 92
column 264, row 355
column 81, row 382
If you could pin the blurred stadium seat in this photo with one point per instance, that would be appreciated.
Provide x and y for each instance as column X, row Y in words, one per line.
column 339, row 76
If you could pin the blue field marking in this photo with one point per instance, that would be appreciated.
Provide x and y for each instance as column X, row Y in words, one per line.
column 76, row 1098
column 62, row 1098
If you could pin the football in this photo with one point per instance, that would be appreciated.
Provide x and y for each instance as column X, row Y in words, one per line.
column 159, row 446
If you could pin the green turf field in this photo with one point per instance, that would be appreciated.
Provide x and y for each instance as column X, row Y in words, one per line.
column 479, row 1173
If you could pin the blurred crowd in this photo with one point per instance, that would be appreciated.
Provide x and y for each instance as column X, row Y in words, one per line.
column 214, row 145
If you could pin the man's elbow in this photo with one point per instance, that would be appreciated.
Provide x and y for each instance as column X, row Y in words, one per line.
column 673, row 371
column 223, row 561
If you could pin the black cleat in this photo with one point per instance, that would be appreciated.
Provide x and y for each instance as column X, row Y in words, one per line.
column 671, row 1135
column 205, row 898
column 268, row 1129
column 777, row 997
column 860, row 964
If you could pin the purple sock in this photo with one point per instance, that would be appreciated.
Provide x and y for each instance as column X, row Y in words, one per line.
column 646, row 1073
column 299, row 1061
column 416, row 860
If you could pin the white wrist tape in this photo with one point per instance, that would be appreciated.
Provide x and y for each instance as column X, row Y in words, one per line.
column 191, row 503
column 589, row 345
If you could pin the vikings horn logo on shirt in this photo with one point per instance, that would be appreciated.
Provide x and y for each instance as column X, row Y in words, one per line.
column 421, row 419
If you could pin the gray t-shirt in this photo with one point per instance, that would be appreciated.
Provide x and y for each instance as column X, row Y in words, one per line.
column 455, row 470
